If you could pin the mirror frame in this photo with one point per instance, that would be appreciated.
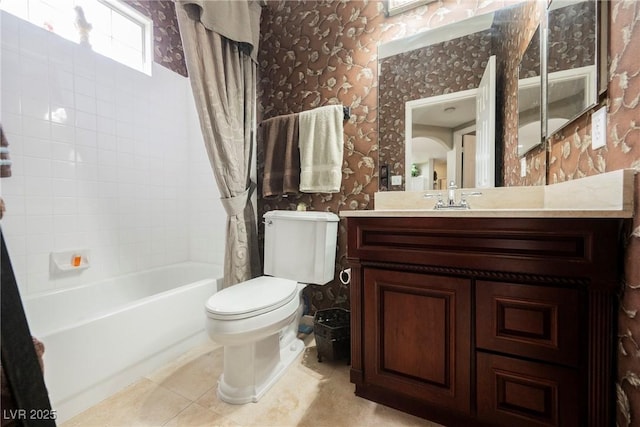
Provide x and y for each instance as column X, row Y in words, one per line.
column 538, row 80
column 599, row 83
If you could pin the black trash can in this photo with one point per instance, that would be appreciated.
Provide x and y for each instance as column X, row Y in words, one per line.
column 332, row 329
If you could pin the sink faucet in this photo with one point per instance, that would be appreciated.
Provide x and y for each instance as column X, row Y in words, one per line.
column 452, row 193
column 451, row 198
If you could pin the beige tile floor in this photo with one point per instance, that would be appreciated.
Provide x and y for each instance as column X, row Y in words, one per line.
column 183, row 393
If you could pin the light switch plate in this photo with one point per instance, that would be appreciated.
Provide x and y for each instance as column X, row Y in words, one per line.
column 523, row 167
column 599, row 128
column 396, row 179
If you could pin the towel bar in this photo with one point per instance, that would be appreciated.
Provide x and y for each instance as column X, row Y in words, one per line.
column 347, row 112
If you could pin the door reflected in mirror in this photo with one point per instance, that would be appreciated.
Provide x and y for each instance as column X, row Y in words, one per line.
column 451, row 137
column 438, row 127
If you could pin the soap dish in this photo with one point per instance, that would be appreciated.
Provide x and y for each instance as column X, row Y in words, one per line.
column 69, row 260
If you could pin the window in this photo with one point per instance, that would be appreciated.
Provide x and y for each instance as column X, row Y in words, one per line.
column 110, row 27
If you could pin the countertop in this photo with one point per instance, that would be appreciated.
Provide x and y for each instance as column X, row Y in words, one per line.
column 608, row 195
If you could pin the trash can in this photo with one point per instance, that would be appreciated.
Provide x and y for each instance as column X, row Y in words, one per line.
column 332, row 329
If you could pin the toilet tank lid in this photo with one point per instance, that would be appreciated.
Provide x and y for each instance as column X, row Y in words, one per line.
column 302, row 216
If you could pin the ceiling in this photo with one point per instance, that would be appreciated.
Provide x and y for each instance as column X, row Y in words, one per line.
column 448, row 114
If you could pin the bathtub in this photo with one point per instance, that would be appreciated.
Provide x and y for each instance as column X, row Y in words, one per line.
column 103, row 336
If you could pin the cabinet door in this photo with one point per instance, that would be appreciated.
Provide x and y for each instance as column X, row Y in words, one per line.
column 417, row 336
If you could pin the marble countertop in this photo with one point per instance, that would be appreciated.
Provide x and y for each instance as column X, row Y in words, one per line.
column 487, row 213
column 608, row 195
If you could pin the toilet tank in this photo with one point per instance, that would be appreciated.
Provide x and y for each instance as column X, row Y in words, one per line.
column 300, row 245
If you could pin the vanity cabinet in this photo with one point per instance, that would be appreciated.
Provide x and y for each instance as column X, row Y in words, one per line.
column 486, row 321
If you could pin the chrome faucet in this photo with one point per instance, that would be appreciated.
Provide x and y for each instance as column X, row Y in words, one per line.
column 451, row 198
column 452, row 193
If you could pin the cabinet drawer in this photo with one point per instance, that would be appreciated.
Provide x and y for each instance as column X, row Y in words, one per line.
column 531, row 321
column 514, row 392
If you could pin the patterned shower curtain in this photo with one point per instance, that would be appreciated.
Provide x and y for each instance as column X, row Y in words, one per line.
column 220, row 45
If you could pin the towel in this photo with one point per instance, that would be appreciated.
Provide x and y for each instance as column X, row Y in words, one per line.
column 321, row 147
column 5, row 162
column 281, row 156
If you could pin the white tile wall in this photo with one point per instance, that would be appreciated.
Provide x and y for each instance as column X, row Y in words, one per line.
column 105, row 158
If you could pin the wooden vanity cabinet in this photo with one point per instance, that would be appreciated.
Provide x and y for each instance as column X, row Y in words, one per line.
column 486, row 321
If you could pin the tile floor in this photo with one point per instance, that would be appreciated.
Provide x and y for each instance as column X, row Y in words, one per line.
column 183, row 393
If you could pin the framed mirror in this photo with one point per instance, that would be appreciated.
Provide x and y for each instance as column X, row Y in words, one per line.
column 572, row 70
column 445, row 61
column 530, row 125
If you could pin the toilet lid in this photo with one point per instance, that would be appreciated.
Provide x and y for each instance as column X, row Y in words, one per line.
column 251, row 298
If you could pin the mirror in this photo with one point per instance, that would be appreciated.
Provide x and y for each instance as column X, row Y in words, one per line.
column 450, row 58
column 440, row 133
column 451, row 137
column 416, row 74
column 572, row 61
column 530, row 129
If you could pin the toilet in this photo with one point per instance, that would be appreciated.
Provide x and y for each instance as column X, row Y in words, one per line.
column 257, row 320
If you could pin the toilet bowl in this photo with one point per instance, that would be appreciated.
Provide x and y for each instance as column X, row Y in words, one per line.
column 257, row 320
column 259, row 335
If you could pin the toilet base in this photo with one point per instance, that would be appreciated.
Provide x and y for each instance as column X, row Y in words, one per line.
column 250, row 370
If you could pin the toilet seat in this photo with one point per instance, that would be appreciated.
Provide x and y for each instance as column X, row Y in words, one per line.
column 251, row 298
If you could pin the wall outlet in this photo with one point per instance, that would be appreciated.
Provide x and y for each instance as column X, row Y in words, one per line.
column 523, row 167
column 396, row 179
column 599, row 128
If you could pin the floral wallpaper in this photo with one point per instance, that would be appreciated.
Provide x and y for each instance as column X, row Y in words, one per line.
column 571, row 36
column 571, row 157
column 167, row 45
column 315, row 53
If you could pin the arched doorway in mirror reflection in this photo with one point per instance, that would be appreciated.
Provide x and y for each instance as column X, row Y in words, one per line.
column 463, row 124
column 441, row 137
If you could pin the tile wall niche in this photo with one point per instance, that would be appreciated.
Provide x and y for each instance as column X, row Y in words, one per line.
column 105, row 158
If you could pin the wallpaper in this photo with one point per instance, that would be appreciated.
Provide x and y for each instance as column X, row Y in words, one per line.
column 167, row 45
column 571, row 36
column 315, row 53
column 571, row 157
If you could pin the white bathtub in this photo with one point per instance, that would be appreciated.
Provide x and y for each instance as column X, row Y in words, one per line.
column 103, row 336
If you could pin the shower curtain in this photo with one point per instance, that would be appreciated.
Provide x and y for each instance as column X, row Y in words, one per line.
column 220, row 41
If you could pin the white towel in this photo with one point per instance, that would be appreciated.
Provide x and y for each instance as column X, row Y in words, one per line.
column 321, row 145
